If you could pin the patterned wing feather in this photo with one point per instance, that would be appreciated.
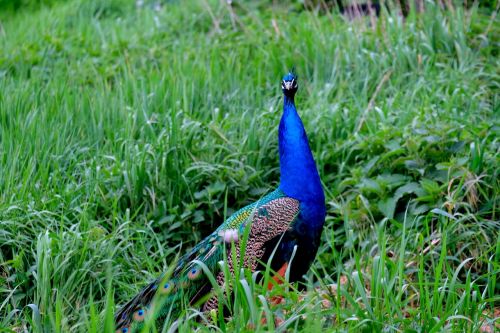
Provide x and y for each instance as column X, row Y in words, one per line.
column 272, row 219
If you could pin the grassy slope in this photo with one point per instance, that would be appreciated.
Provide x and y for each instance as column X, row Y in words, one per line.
column 125, row 132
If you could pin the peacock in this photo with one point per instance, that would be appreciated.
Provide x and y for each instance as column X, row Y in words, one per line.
column 284, row 225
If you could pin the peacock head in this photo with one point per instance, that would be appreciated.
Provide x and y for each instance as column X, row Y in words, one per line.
column 289, row 84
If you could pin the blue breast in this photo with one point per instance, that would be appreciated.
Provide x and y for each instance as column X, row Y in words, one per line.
column 299, row 175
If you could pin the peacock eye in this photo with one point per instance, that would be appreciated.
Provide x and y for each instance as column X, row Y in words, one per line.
column 122, row 330
column 167, row 288
column 194, row 273
column 139, row 315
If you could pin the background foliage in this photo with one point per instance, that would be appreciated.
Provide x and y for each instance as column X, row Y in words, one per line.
column 128, row 131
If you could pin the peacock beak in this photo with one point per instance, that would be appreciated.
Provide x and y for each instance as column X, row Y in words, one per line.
column 288, row 85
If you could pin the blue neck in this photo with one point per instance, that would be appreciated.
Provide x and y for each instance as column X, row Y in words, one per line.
column 299, row 176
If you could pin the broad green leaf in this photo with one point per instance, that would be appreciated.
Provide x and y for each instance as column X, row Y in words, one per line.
column 408, row 188
column 387, row 207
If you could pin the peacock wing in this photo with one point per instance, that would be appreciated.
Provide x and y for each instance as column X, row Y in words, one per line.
column 270, row 219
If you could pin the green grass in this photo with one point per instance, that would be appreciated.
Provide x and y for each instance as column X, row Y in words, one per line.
column 127, row 134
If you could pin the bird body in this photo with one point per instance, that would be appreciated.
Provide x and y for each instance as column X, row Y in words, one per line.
column 286, row 220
